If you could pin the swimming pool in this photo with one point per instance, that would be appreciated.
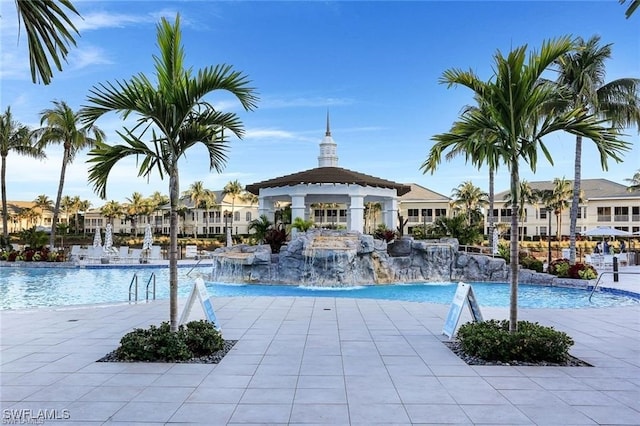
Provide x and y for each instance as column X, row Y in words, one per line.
column 22, row 288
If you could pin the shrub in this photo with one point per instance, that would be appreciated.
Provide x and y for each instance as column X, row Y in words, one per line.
column 383, row 233
column 582, row 271
column 197, row 338
column 559, row 267
column 276, row 238
column 492, row 341
column 532, row 263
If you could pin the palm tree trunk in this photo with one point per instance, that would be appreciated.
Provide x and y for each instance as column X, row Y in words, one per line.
column 491, row 197
column 513, row 301
column 56, row 209
column 174, row 195
column 575, row 201
column 5, row 214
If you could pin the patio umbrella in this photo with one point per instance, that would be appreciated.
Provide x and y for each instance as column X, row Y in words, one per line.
column 108, row 237
column 97, row 238
column 605, row 231
column 147, row 241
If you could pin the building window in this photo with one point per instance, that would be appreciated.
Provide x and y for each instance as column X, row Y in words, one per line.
column 440, row 212
column 543, row 231
column 543, row 215
column 621, row 214
column 319, row 215
column 248, row 216
column 236, row 216
column 635, row 214
column 413, row 215
column 216, row 219
column 604, row 214
column 427, row 215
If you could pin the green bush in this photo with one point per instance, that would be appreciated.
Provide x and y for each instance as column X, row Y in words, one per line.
column 492, row 341
column 196, row 339
column 530, row 262
column 560, row 267
column 583, row 271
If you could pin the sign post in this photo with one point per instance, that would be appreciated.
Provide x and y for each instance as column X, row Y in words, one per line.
column 199, row 292
column 464, row 295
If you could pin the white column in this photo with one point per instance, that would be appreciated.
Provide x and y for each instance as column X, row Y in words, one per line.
column 297, row 208
column 391, row 213
column 355, row 221
column 265, row 207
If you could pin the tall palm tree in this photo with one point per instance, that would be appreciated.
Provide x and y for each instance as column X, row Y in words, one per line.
column 514, row 102
column 43, row 202
column 134, row 209
column 470, row 197
column 527, row 196
column 158, row 200
column 234, row 189
column 47, row 26
column 196, row 193
column 481, row 150
column 111, row 209
column 63, row 126
column 582, row 73
column 15, row 137
column 174, row 116
column 83, row 206
column 560, row 198
column 634, row 182
column 208, row 202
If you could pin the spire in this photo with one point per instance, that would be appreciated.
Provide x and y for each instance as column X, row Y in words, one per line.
column 328, row 156
column 328, row 133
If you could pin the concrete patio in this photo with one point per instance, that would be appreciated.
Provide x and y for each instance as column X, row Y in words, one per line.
column 316, row 361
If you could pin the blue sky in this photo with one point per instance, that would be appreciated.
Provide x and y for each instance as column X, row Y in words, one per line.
column 373, row 65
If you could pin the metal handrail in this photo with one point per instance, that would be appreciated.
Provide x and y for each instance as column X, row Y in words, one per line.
column 134, row 280
column 195, row 266
column 609, row 272
column 151, row 279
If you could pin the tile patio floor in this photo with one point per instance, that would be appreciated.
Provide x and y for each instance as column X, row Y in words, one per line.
column 316, row 361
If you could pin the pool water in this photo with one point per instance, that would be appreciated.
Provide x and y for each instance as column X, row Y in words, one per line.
column 22, row 288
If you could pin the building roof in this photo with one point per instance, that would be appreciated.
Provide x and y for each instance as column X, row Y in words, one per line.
column 420, row 193
column 320, row 175
column 592, row 189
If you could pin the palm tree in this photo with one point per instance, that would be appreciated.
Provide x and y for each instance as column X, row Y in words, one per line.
column 111, row 209
column 234, row 189
column 371, row 211
column 633, row 5
column 134, row 209
column 63, row 126
column 43, row 202
column 560, row 197
column 179, row 117
column 46, row 25
column 196, row 193
column 260, row 227
column 208, row 202
column 527, row 196
column 158, row 200
column 83, row 206
column 481, row 150
column 15, row 137
column 634, row 182
column 514, row 102
column 582, row 73
column 470, row 197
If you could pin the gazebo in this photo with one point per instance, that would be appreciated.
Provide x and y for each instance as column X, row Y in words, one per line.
column 329, row 183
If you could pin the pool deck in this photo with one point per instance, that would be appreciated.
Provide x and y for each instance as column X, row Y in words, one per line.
column 317, row 361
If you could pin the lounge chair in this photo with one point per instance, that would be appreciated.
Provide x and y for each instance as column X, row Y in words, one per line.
column 134, row 256
column 95, row 254
column 190, row 252
column 123, row 253
column 155, row 253
column 76, row 254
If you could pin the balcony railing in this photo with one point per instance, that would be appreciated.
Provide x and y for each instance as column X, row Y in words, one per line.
column 621, row 218
column 604, row 218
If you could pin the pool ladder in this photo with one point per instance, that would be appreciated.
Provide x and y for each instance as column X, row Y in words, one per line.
column 133, row 287
column 609, row 272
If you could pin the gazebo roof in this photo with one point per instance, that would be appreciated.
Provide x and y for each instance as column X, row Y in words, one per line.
column 320, row 175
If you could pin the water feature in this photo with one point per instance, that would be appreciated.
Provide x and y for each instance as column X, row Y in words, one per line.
column 331, row 258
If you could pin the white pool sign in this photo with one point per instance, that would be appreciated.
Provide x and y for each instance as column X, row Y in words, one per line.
column 464, row 295
column 199, row 292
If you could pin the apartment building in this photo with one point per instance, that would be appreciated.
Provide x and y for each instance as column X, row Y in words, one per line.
column 604, row 203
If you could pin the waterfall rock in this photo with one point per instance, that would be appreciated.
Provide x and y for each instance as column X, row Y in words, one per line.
column 339, row 258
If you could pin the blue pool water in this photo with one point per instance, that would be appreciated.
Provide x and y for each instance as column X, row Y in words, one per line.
column 22, row 288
